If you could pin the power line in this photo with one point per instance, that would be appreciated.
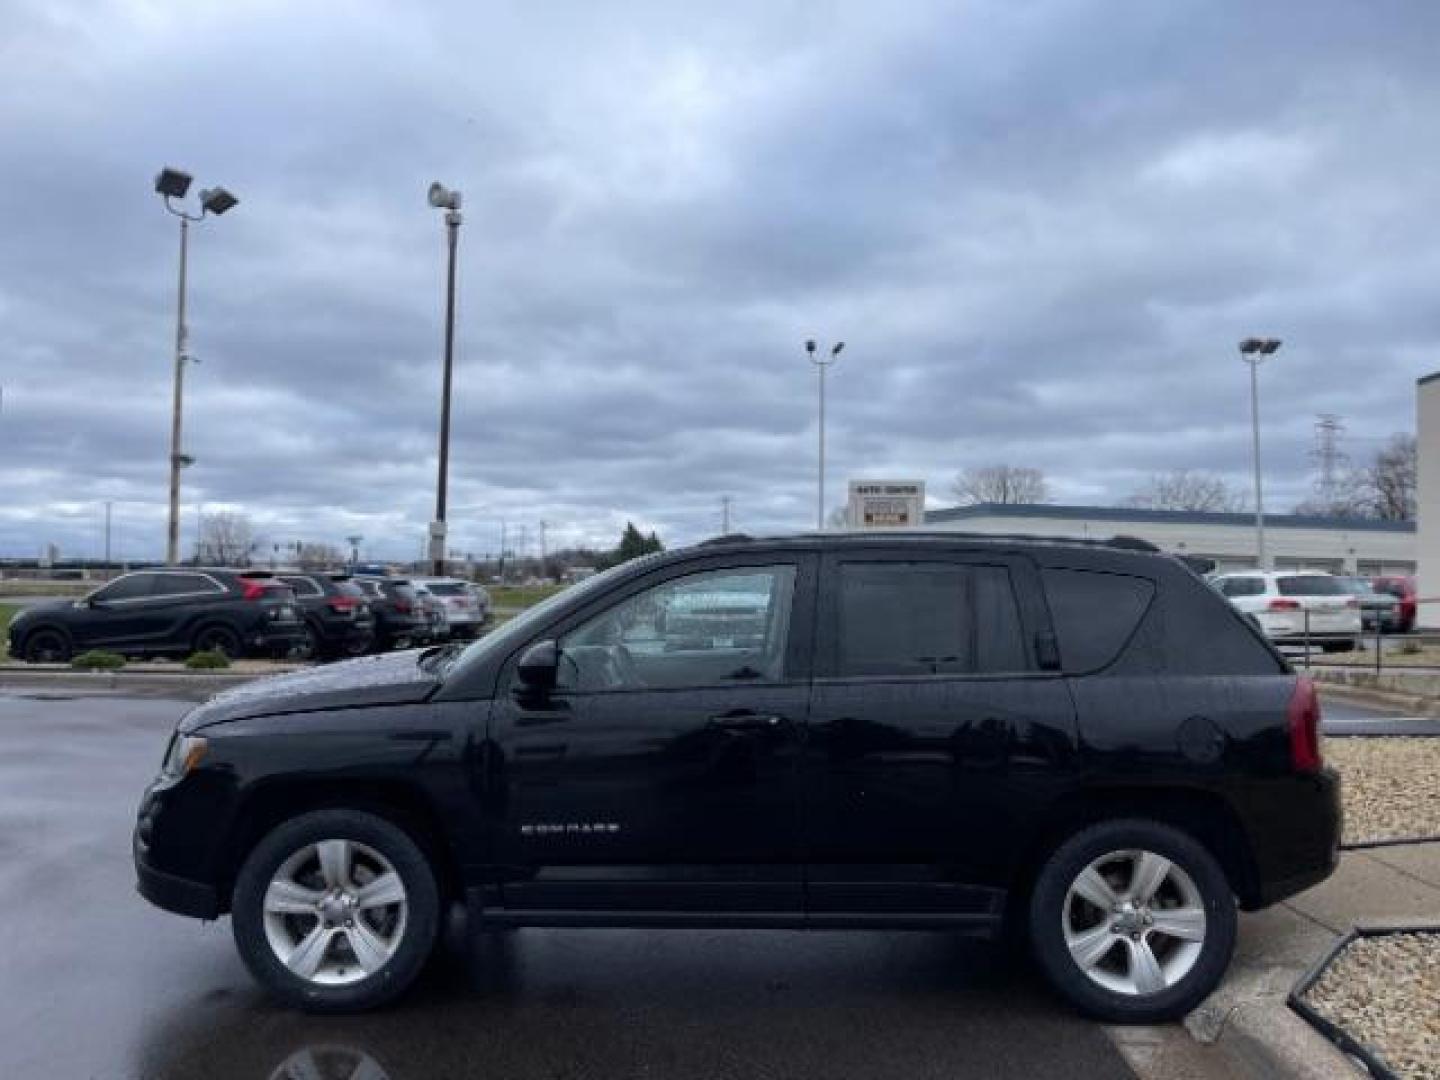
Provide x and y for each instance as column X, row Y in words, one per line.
column 1329, row 459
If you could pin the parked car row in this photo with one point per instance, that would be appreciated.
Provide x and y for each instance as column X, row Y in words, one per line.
column 177, row 611
column 1314, row 607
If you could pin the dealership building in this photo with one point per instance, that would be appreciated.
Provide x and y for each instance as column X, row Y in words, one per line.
column 1292, row 541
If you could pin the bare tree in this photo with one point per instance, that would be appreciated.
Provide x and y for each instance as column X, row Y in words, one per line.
column 1007, row 484
column 1389, row 480
column 1383, row 489
column 1182, row 489
column 226, row 539
column 320, row 557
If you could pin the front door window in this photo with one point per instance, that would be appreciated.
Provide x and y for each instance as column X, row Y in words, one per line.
column 711, row 629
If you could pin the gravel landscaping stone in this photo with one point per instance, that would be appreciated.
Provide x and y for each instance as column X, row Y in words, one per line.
column 1391, row 786
column 1385, row 992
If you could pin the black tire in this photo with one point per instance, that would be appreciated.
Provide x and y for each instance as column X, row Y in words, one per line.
column 313, row 648
column 1048, row 909
column 47, row 645
column 218, row 637
column 1338, row 646
column 417, row 940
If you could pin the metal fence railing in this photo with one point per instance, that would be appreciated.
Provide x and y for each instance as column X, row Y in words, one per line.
column 1375, row 647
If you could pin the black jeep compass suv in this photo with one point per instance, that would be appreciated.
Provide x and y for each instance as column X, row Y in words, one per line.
column 879, row 730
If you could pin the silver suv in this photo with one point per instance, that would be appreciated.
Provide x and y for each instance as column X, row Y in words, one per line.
column 466, row 606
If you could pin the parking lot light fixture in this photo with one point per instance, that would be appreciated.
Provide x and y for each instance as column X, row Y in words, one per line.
column 1254, row 351
column 217, row 200
column 173, row 184
column 443, row 198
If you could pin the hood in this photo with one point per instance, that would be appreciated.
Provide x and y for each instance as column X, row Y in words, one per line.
column 389, row 679
column 31, row 610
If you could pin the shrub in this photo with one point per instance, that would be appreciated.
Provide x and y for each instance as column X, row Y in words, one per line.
column 210, row 659
column 98, row 660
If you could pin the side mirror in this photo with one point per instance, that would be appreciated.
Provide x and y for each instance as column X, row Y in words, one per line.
column 539, row 665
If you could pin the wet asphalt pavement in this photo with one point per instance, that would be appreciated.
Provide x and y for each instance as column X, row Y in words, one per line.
column 97, row 984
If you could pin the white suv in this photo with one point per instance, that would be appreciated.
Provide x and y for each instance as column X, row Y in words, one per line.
column 1291, row 604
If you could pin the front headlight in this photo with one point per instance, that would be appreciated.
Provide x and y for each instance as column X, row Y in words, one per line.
column 183, row 754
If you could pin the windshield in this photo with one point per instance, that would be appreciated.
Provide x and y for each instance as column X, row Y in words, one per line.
column 1311, row 585
column 446, row 588
column 523, row 625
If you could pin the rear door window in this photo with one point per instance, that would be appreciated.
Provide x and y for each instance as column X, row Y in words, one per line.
column 183, row 585
column 927, row 618
column 1095, row 613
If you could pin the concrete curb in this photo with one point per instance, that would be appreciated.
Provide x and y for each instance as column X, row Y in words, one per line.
column 178, row 684
column 1409, row 704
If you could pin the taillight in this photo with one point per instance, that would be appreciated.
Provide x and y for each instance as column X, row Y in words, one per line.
column 403, row 606
column 343, row 603
column 253, row 590
column 1303, row 719
column 1284, row 605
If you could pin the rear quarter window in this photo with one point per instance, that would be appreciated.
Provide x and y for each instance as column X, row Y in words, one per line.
column 1094, row 613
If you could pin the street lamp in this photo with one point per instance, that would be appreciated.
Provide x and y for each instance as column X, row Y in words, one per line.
column 174, row 184
column 442, row 198
column 822, row 361
column 1254, row 351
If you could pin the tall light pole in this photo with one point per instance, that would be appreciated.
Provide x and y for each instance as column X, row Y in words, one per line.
column 822, row 361
column 442, row 198
column 1254, row 351
column 173, row 184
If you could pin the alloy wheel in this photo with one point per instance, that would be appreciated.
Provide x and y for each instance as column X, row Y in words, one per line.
column 1134, row 922
column 335, row 912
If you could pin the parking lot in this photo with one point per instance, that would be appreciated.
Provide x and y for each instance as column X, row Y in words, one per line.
column 97, row 984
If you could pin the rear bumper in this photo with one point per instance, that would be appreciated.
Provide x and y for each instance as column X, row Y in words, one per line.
column 1300, row 846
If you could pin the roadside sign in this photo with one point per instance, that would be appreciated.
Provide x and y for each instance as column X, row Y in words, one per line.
column 887, row 504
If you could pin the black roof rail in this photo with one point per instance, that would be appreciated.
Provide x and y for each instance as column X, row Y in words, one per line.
column 1124, row 543
column 727, row 538
column 1117, row 543
column 1131, row 543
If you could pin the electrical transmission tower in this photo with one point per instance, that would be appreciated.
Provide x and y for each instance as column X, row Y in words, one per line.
column 1330, row 460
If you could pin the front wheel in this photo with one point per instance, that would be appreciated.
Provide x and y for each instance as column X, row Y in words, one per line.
column 46, row 646
column 1133, row 921
column 336, row 911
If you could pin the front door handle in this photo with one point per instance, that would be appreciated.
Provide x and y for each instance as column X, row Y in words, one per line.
column 746, row 721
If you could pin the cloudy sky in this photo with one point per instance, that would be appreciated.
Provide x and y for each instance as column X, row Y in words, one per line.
column 1039, row 226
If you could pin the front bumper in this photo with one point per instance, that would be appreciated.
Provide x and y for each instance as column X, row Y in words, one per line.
column 177, row 894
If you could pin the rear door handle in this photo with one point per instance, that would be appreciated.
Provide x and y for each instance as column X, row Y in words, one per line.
column 746, row 721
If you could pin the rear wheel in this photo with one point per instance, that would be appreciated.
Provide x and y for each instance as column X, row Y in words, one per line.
column 312, row 647
column 1133, row 921
column 47, row 646
column 335, row 911
column 219, row 639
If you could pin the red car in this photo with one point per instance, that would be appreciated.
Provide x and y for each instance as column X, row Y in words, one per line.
column 1404, row 589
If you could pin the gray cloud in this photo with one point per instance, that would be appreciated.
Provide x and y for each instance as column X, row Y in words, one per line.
column 1040, row 227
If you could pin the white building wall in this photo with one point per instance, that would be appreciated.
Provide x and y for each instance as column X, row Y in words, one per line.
column 1233, row 546
column 1427, row 496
